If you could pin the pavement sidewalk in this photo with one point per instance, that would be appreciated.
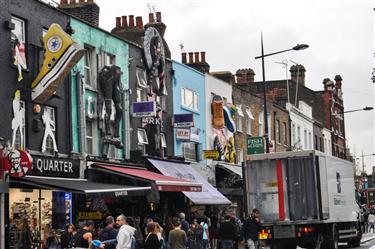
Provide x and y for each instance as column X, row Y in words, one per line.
column 367, row 237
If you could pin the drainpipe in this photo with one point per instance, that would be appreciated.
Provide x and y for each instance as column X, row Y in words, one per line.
column 126, row 122
column 81, row 113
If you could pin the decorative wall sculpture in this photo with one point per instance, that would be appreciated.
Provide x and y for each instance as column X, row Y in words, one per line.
column 48, row 131
column 61, row 54
column 18, row 114
column 19, row 57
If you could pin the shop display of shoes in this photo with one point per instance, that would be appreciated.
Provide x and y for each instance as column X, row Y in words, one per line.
column 61, row 54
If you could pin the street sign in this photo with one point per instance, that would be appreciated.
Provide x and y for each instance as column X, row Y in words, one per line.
column 210, row 154
column 183, row 134
column 183, row 120
column 144, row 109
column 255, row 145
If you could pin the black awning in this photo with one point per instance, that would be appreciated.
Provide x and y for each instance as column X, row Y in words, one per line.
column 82, row 186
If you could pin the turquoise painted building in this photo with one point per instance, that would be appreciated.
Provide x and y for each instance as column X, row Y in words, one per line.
column 102, row 49
column 189, row 97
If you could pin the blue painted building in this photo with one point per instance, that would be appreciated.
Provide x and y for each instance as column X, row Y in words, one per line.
column 189, row 97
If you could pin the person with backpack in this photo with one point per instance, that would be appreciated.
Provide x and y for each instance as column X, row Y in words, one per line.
column 125, row 236
column 83, row 237
column 109, row 232
column 206, row 242
column 196, row 236
column 152, row 240
column 227, row 233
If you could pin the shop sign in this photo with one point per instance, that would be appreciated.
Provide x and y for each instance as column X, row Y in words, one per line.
column 55, row 167
column 210, row 154
column 183, row 120
column 183, row 134
column 255, row 145
column 144, row 109
column 90, row 215
column 194, row 134
column 17, row 163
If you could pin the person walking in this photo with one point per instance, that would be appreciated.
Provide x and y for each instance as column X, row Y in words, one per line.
column 83, row 237
column 371, row 222
column 184, row 224
column 251, row 229
column 125, row 234
column 152, row 240
column 66, row 236
column 196, row 235
column 109, row 232
column 227, row 233
column 25, row 238
column 204, row 224
column 177, row 237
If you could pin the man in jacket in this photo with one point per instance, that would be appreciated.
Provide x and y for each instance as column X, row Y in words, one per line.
column 125, row 233
column 227, row 233
column 109, row 232
column 251, row 229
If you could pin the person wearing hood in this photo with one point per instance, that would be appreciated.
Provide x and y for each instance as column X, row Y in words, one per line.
column 125, row 233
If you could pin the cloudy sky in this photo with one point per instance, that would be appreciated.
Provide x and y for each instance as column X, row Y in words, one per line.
column 340, row 34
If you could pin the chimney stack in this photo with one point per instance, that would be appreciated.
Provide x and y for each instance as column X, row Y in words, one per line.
column 183, row 58
column 158, row 16
column 297, row 73
column 338, row 81
column 151, row 17
column 328, row 85
column 118, row 22
column 196, row 57
column 139, row 22
column 191, row 60
column 124, row 21
column 244, row 76
column 131, row 20
column 85, row 10
column 203, row 57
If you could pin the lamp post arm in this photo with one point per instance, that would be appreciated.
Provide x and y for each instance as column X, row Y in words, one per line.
column 279, row 52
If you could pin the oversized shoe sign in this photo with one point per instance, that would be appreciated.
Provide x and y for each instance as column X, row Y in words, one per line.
column 61, row 54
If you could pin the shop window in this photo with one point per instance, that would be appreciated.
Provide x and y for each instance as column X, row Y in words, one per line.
column 19, row 29
column 49, row 144
column 190, row 151
column 90, row 72
column 141, row 77
column 20, row 142
column 189, row 98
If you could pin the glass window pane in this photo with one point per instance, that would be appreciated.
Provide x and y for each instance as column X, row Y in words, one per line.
column 19, row 29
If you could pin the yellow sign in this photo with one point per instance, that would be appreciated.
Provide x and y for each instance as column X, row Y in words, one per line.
column 89, row 215
column 271, row 184
column 210, row 154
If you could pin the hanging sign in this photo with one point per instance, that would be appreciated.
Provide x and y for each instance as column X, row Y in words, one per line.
column 255, row 145
column 183, row 120
column 210, row 154
column 90, row 215
column 144, row 109
column 183, row 134
column 16, row 162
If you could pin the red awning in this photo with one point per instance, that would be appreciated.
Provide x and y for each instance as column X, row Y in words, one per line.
column 162, row 182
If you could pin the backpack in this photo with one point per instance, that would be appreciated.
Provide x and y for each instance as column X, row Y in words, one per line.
column 199, row 232
column 133, row 242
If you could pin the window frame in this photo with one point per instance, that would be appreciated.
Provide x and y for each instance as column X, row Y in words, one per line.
column 278, row 131
column 194, row 95
column 163, row 140
column 23, row 27
column 285, row 134
column 260, row 123
column 50, row 150
column 145, row 141
column 93, row 136
column 90, row 66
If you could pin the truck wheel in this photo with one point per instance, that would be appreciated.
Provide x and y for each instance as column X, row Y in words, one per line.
column 331, row 241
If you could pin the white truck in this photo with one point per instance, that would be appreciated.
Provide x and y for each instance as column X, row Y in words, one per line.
column 305, row 198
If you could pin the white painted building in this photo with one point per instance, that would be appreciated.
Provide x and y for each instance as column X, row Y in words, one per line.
column 327, row 141
column 301, row 126
column 215, row 86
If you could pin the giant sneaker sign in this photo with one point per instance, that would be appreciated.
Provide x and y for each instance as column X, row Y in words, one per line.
column 61, row 54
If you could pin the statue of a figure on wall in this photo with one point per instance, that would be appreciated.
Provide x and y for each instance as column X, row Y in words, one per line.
column 110, row 88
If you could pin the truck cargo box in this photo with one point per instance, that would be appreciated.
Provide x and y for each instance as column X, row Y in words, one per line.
column 304, row 186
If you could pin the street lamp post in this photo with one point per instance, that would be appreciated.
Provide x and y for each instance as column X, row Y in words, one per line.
column 298, row 47
column 367, row 108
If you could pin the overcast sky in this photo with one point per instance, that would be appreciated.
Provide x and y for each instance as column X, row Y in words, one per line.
column 340, row 35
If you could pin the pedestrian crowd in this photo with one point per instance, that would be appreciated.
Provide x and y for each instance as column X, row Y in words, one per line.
column 176, row 232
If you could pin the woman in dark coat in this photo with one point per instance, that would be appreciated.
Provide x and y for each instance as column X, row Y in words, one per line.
column 66, row 236
column 152, row 240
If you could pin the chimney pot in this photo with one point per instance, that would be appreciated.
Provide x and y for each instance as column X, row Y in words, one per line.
column 151, row 17
column 118, row 22
column 158, row 16
column 191, row 60
column 124, row 21
column 63, row 2
column 131, row 20
column 183, row 58
column 139, row 22
column 203, row 56
column 196, row 55
column 72, row 1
